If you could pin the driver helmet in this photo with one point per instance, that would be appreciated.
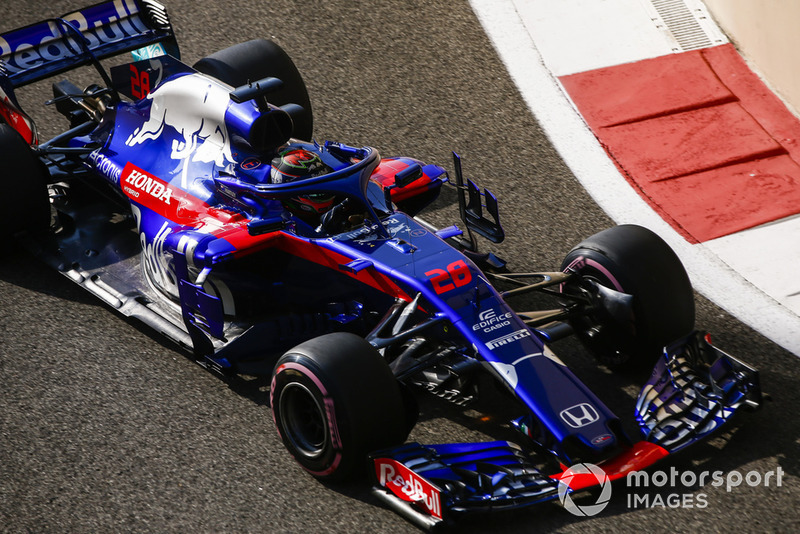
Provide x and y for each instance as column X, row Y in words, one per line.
column 299, row 164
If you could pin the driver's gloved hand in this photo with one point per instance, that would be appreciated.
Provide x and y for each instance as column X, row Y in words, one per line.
column 333, row 221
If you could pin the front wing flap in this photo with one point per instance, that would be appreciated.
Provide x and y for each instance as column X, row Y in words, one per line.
column 429, row 484
column 694, row 390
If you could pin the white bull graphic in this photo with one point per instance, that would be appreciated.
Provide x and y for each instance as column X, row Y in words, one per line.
column 195, row 107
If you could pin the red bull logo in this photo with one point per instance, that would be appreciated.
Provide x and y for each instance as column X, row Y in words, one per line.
column 99, row 24
column 407, row 485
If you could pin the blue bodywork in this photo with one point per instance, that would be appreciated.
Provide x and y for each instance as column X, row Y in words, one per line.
column 389, row 245
column 200, row 242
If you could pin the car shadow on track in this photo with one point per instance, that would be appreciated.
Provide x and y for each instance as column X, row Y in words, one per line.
column 18, row 267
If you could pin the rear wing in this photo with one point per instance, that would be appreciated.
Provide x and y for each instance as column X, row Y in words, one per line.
column 83, row 37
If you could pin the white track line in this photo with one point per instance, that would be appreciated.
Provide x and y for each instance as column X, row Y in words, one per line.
column 572, row 138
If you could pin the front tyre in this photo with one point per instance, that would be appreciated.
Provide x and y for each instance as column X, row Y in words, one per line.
column 334, row 400
column 630, row 260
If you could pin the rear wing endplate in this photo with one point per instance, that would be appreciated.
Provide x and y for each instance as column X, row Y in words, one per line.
column 83, row 37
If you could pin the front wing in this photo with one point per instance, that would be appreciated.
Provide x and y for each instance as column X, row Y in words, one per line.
column 693, row 391
column 429, row 484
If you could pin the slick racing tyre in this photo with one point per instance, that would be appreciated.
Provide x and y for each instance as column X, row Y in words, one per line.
column 24, row 205
column 257, row 59
column 334, row 400
column 629, row 259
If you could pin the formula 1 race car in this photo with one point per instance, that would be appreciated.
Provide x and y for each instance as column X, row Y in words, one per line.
column 196, row 200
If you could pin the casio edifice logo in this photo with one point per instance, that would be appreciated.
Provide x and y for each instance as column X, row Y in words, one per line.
column 488, row 320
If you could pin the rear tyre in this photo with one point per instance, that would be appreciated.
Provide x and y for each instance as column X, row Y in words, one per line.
column 334, row 400
column 25, row 204
column 253, row 60
column 633, row 260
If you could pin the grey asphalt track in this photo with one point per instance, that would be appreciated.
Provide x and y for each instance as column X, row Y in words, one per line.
column 104, row 428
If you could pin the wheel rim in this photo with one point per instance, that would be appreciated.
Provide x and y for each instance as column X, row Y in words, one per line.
column 603, row 343
column 303, row 420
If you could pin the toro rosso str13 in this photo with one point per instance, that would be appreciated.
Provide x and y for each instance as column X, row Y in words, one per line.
column 196, row 200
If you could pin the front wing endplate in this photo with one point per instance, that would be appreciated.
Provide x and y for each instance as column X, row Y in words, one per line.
column 694, row 389
column 433, row 483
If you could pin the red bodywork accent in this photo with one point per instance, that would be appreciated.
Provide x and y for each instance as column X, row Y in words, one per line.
column 384, row 176
column 642, row 455
column 408, row 486
column 17, row 119
column 159, row 196
column 246, row 244
column 176, row 204
column 456, row 275
column 184, row 208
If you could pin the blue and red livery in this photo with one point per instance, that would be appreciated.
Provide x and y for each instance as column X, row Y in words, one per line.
column 164, row 203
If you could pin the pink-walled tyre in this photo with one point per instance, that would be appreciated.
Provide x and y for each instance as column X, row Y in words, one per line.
column 631, row 260
column 334, row 400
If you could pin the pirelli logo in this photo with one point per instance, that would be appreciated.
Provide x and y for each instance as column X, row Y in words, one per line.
column 509, row 338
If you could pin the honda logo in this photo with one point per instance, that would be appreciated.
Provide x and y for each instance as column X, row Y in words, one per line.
column 580, row 415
